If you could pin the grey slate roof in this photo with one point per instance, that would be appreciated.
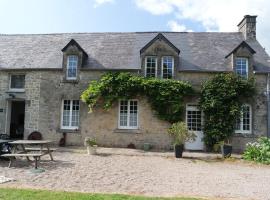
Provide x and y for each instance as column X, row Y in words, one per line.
column 200, row 51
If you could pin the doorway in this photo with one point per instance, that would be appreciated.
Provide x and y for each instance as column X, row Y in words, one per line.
column 17, row 119
column 194, row 120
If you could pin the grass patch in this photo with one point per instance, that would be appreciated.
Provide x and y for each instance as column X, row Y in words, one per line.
column 29, row 194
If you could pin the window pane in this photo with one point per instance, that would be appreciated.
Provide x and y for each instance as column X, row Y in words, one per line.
column 194, row 119
column 66, row 113
column 128, row 114
column 17, row 81
column 123, row 113
column 151, row 63
column 71, row 113
column 246, row 118
column 241, row 66
column 244, row 122
column 75, row 113
column 167, row 66
column 133, row 114
column 72, row 65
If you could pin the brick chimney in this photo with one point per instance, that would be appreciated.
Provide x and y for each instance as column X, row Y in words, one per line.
column 248, row 27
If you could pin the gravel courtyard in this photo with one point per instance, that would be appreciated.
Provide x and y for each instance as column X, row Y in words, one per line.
column 143, row 173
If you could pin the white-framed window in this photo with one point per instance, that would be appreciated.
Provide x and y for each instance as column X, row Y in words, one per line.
column 241, row 66
column 128, row 114
column 194, row 118
column 150, row 66
column 72, row 67
column 243, row 124
column 167, row 67
column 70, row 114
column 17, row 82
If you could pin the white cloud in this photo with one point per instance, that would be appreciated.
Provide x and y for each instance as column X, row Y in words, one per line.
column 214, row 15
column 176, row 27
column 155, row 7
column 101, row 2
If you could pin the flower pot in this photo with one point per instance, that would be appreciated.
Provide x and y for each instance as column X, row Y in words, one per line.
column 92, row 150
column 146, row 146
column 226, row 150
column 178, row 150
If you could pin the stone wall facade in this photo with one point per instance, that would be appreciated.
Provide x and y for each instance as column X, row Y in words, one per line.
column 45, row 91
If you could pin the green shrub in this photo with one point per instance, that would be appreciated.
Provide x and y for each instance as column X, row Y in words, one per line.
column 90, row 141
column 258, row 151
column 221, row 101
column 165, row 96
column 180, row 133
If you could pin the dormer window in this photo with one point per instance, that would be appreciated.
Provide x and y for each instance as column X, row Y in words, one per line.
column 150, row 66
column 167, row 66
column 72, row 67
column 241, row 66
column 74, row 58
column 159, row 58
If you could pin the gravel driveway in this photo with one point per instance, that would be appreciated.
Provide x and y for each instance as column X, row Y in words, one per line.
column 144, row 173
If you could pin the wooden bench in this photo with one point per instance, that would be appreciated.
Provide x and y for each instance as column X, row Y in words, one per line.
column 38, row 149
column 12, row 157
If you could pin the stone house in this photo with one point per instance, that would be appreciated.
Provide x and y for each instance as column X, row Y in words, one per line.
column 42, row 77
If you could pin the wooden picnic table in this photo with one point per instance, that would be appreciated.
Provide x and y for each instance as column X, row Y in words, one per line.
column 25, row 148
column 5, row 141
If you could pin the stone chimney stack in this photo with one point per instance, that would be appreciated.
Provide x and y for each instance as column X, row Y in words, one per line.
column 248, row 27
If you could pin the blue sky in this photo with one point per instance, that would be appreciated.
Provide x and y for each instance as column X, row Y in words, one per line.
column 51, row 16
column 54, row 16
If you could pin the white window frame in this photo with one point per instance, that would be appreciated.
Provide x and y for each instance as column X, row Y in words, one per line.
column 241, row 131
column 67, row 67
column 145, row 65
column 128, row 115
column 70, row 115
column 194, row 107
column 246, row 66
column 16, row 89
column 162, row 66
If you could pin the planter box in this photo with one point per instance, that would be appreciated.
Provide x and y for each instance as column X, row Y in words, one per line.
column 92, row 150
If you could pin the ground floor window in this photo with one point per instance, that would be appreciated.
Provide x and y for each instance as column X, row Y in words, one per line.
column 128, row 114
column 70, row 114
column 193, row 118
column 243, row 124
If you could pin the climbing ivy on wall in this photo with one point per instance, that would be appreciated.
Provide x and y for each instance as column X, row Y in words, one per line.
column 221, row 101
column 165, row 96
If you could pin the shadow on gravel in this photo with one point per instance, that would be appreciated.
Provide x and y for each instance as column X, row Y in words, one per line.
column 46, row 164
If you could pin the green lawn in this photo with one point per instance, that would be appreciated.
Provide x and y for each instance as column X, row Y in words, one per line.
column 23, row 194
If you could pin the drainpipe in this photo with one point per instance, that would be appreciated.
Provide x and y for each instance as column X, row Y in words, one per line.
column 268, row 105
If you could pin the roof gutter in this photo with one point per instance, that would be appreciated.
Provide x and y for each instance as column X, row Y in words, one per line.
column 268, row 104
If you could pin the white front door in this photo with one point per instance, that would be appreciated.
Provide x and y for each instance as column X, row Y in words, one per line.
column 194, row 120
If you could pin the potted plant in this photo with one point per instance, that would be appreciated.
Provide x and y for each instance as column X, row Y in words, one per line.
column 226, row 149
column 91, row 145
column 180, row 134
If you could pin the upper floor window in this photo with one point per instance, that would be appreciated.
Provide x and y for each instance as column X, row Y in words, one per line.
column 241, row 66
column 150, row 66
column 72, row 67
column 167, row 67
column 243, row 124
column 128, row 114
column 70, row 114
column 17, row 82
